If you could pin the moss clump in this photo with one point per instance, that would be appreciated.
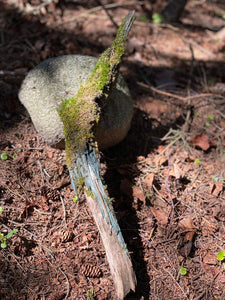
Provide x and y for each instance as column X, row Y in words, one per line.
column 80, row 114
column 89, row 193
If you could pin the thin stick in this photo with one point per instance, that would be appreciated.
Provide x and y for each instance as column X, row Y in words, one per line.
column 168, row 94
column 64, row 209
column 107, row 13
column 170, row 196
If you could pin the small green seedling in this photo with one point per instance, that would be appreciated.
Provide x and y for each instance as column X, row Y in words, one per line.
column 157, row 18
column 197, row 161
column 210, row 117
column 19, row 150
column 4, row 238
column 197, row 114
column 90, row 294
column 75, row 198
column 1, row 209
column 183, row 271
column 143, row 18
column 221, row 255
column 4, row 156
column 14, row 156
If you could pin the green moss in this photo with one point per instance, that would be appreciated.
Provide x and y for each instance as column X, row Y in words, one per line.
column 80, row 114
column 80, row 183
column 89, row 193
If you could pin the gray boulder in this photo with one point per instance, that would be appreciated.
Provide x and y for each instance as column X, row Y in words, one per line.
column 57, row 79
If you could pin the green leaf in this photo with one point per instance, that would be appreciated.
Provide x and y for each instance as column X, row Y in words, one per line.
column 183, row 271
column 211, row 117
column 4, row 156
column 90, row 294
column 75, row 198
column 1, row 209
column 3, row 245
column 157, row 18
column 207, row 124
column 221, row 255
column 197, row 161
column 9, row 235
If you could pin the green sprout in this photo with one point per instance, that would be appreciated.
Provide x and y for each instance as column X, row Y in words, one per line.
column 221, row 255
column 1, row 209
column 4, row 238
column 183, row 271
column 75, row 198
column 197, row 114
column 4, row 156
column 157, row 18
column 210, row 118
column 197, row 161
column 90, row 294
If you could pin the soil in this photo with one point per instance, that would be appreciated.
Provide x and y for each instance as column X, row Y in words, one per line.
column 167, row 178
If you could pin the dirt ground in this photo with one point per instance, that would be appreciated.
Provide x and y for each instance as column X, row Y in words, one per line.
column 167, row 177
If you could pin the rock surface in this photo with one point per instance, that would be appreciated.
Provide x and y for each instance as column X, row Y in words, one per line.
column 57, row 79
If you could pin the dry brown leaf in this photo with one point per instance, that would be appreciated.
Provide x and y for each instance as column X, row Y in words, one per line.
column 209, row 226
column 217, row 188
column 187, row 234
column 186, row 223
column 161, row 160
column 176, row 171
column 201, row 140
column 138, row 193
column 210, row 270
column 149, row 179
column 221, row 278
column 161, row 216
column 210, row 259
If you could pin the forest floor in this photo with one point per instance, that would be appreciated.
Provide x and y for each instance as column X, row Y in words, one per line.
column 167, row 177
